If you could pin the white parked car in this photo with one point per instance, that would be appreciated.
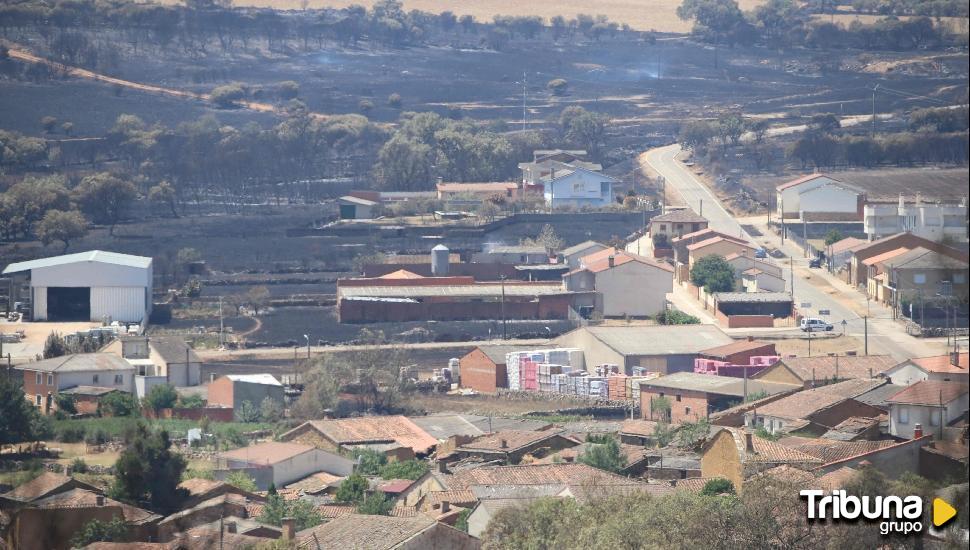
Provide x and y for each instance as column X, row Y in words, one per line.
column 814, row 324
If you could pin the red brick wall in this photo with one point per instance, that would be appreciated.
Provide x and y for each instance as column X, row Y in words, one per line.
column 745, row 321
column 220, row 393
column 479, row 373
column 744, row 357
column 685, row 405
column 31, row 388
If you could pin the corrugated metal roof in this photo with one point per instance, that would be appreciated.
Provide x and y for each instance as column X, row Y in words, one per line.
column 658, row 340
column 265, row 379
column 79, row 362
column 721, row 385
column 99, row 256
column 474, row 290
column 753, row 297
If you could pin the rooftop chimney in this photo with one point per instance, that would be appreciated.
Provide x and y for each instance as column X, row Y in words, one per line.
column 445, row 506
column 751, row 338
column 917, row 431
column 212, row 377
column 612, row 261
column 289, row 528
column 749, row 442
column 504, row 443
column 955, row 359
column 99, row 500
column 442, row 467
column 231, row 527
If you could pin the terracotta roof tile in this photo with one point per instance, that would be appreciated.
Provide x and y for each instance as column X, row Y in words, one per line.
column 807, row 402
column 372, row 429
column 930, row 392
column 362, row 532
column 197, row 486
column 834, row 451
column 765, row 451
column 458, row 497
column 692, row 484
column 82, row 498
column 943, row 364
column 330, row 511
column 799, row 181
column 536, row 474
column 38, row 487
column 683, row 215
column 836, row 479
column 643, row 428
column 734, row 347
column 824, row 367
column 513, row 440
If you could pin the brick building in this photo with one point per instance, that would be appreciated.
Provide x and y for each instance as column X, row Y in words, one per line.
column 232, row 390
column 692, row 396
column 43, row 380
column 483, row 368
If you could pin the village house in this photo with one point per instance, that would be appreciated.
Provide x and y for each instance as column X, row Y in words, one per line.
column 213, row 509
column 546, row 162
column 689, row 396
column 817, row 197
column 577, row 187
column 661, row 348
column 673, row 224
column 199, row 489
column 235, row 390
column 914, row 274
column 816, row 410
column 638, row 432
column 811, row 372
column 626, row 284
column 158, row 360
column 280, row 463
column 717, row 246
column 756, row 275
column 42, row 486
column 515, row 254
column 926, row 407
column 44, row 379
column 396, row 436
column 752, row 309
column 49, row 523
column 571, row 255
column 952, row 367
column 736, row 455
column 510, row 446
column 837, row 254
column 936, row 221
column 858, row 272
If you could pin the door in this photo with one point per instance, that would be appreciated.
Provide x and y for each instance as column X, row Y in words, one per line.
column 69, row 303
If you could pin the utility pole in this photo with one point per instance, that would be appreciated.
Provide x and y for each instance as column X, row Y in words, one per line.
column 524, row 113
column 791, row 264
column 866, row 321
column 505, row 332
column 782, row 220
column 873, row 122
column 701, row 208
column 222, row 338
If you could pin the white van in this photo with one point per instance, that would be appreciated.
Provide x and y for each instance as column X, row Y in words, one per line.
column 814, row 324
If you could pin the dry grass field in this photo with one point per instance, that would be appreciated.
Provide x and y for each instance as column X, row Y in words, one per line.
column 645, row 15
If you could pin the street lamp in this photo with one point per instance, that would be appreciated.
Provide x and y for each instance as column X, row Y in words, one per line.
column 505, row 332
column 307, row 338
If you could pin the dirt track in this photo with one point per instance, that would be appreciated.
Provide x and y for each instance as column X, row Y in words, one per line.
column 20, row 53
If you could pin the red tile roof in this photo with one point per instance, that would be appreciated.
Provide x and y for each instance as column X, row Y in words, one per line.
column 537, row 474
column 765, row 451
column 929, row 392
column 943, row 364
column 824, row 367
column 374, row 429
column 395, row 486
column 82, row 498
column 800, row 181
column 513, row 440
column 40, row 486
column 643, row 428
column 362, row 532
column 835, row 451
column 735, row 347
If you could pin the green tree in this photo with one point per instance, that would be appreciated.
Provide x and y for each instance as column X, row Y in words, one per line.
column 192, row 401
column 277, row 508
column 557, row 86
column 584, row 129
column 227, row 96
column 369, row 462
column 696, row 134
column 352, row 489
column 241, row 480
column 165, row 196
column 148, row 472
column 411, row 469
column 106, row 198
column 58, row 225
column 270, row 410
column 18, row 419
column 692, row 434
column 247, row 412
column 713, row 273
column 833, row 236
column 288, row 89
column 660, row 406
column 718, row 486
column 93, row 531
column 375, row 504
column 118, row 403
column 605, row 456
column 54, row 346
column 162, row 396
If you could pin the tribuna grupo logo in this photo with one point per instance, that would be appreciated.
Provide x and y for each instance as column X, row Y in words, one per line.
column 894, row 514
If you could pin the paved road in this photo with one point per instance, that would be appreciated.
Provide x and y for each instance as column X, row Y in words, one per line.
column 885, row 336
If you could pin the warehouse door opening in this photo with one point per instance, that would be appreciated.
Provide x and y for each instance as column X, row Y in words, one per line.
column 69, row 304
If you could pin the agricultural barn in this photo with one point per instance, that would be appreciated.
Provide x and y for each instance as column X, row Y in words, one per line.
column 89, row 286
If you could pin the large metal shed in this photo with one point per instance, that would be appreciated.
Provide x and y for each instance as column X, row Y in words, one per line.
column 89, row 286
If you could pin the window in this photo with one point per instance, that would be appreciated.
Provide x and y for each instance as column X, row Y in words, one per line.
column 678, row 398
column 94, row 378
column 934, row 418
column 50, row 379
column 919, row 278
column 686, row 410
column 38, row 399
column 119, row 379
column 959, row 278
column 663, row 227
column 902, row 415
column 40, row 379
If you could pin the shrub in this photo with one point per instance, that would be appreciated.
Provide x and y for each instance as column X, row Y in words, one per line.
column 118, row 404
column 79, row 466
column 718, row 486
column 394, row 100
column 241, row 480
column 352, row 489
column 558, row 86
column 71, row 434
column 676, row 317
column 365, row 106
column 375, row 504
column 288, row 89
column 404, row 469
column 101, row 531
column 97, row 436
column 227, row 96
column 161, row 397
column 247, row 412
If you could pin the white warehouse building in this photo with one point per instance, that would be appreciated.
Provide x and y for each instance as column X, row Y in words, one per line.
column 89, row 286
